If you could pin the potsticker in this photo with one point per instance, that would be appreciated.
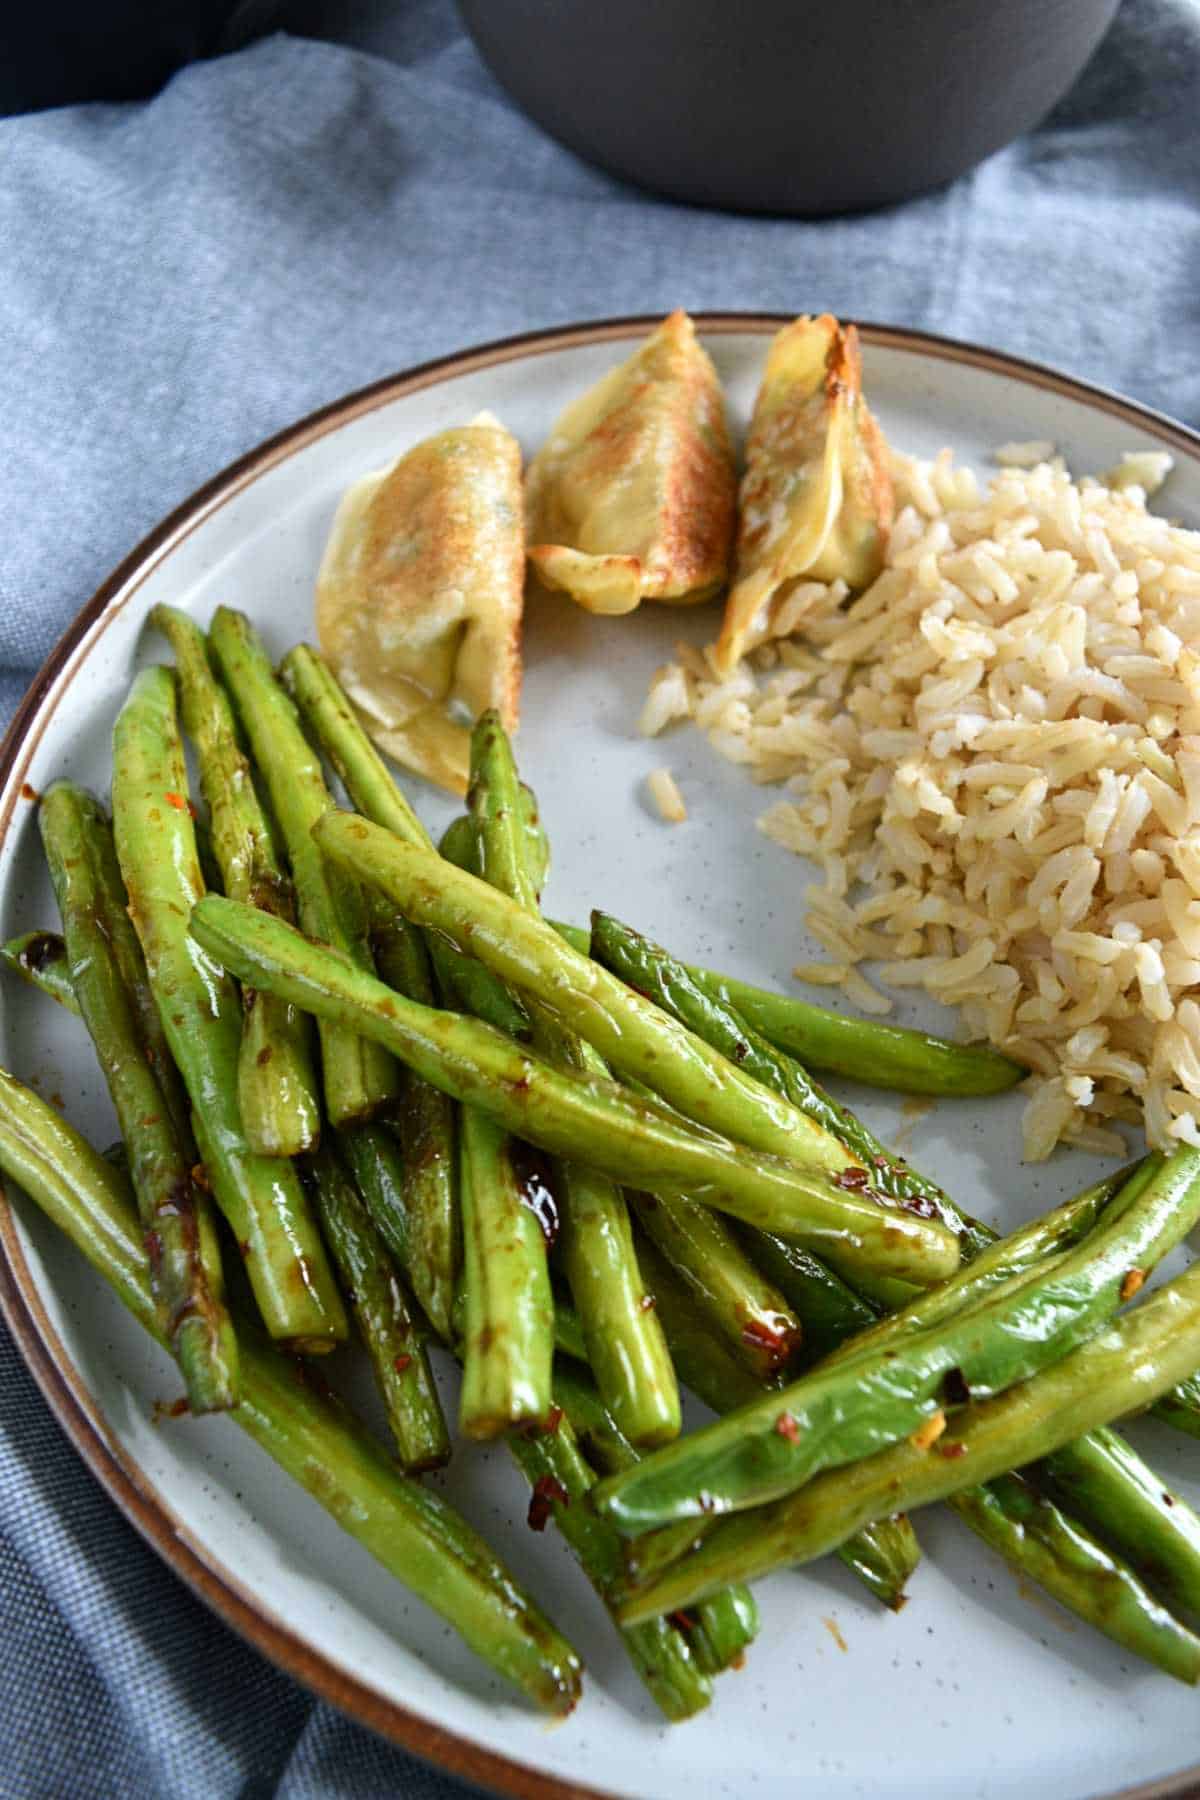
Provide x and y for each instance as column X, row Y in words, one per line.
column 816, row 498
column 420, row 594
column 632, row 496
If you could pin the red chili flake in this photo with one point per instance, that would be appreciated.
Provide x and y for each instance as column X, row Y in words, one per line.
column 400, row 1363
column 1132, row 1282
column 952, row 1450
column 774, row 1342
column 647, row 1303
column 852, row 1178
column 553, row 1420
column 919, row 1204
column 740, row 1051
column 1168, row 1499
column 787, row 1428
column 546, row 1492
column 174, row 1409
column 28, row 792
column 178, row 801
column 683, row 1620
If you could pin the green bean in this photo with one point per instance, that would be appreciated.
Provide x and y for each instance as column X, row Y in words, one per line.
column 1106, row 1484
column 459, row 844
column 553, row 1464
column 624, row 1338
column 1103, row 1481
column 331, row 719
column 509, row 1340
column 277, row 1084
column 508, row 1324
column 464, row 981
column 334, row 725
column 1034, row 1246
column 752, row 1318
column 127, row 951
column 828, row 1310
column 1114, row 1500
column 883, row 1555
column 722, row 1629
column 561, row 1479
column 1120, row 1370
column 867, row 1050
column 666, row 1666
column 568, row 1332
column 1063, row 1557
column 176, row 1214
column 596, row 1251
column 652, row 972
column 626, row 1348
column 201, row 1017
column 702, row 1361
column 410, row 1530
column 358, row 1078
column 395, row 1346
column 584, row 1117
column 893, row 1383
column 537, row 844
column 426, row 1123
column 827, row 1318
column 206, row 855
column 1181, row 1407
column 635, row 1037
column 40, row 959
column 497, row 809
column 378, row 1169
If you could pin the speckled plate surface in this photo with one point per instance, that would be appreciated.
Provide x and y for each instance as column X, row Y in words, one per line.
column 979, row 1687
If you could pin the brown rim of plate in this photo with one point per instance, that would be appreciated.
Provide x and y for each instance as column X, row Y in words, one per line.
column 20, row 1301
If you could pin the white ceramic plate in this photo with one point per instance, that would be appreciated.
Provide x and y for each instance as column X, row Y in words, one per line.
column 978, row 1687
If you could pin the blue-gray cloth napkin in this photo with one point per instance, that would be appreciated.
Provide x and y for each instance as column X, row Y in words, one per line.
column 181, row 277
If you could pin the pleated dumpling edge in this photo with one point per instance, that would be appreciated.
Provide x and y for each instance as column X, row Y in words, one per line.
column 420, row 596
column 816, row 497
column 632, row 496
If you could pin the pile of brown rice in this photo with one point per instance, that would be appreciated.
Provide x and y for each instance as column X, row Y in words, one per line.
column 993, row 758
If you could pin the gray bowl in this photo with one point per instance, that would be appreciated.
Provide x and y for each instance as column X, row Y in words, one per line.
column 776, row 106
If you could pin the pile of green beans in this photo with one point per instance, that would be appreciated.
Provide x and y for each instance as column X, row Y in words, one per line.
column 591, row 1174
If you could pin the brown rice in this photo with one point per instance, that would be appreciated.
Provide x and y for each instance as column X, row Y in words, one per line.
column 992, row 757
